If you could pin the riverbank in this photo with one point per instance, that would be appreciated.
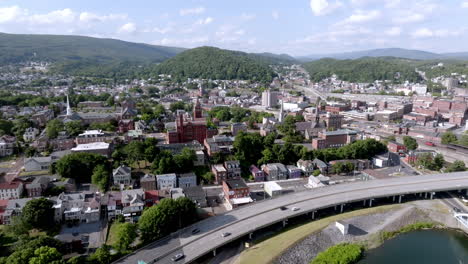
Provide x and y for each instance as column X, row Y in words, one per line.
column 303, row 243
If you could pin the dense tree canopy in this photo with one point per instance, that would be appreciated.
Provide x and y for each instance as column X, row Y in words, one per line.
column 79, row 166
column 457, row 165
column 214, row 63
column 363, row 70
column 39, row 213
column 449, row 137
column 410, row 143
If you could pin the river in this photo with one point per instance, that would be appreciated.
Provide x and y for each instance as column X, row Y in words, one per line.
column 424, row 246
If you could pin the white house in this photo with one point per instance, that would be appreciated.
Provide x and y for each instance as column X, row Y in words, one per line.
column 30, row 134
column 166, row 181
column 122, row 175
column 11, row 190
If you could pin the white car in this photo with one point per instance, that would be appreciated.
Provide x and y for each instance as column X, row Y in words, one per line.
column 463, row 198
column 295, row 208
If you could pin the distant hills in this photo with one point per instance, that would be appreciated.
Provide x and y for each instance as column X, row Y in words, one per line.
column 389, row 52
column 215, row 63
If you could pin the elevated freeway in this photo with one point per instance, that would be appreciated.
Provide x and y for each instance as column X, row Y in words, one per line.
column 246, row 220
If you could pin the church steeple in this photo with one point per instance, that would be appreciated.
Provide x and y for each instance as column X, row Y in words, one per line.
column 69, row 110
column 281, row 113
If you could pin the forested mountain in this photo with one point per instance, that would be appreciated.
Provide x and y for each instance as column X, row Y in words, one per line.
column 363, row 70
column 215, row 63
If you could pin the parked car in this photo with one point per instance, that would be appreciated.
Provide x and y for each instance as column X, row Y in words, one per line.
column 429, row 143
column 295, row 208
column 195, row 231
column 225, row 234
column 177, row 257
column 463, row 198
column 282, row 208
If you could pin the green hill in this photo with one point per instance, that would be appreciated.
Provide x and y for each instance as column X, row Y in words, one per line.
column 215, row 63
column 364, row 69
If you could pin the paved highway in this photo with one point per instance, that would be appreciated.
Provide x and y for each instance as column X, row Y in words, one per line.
column 247, row 219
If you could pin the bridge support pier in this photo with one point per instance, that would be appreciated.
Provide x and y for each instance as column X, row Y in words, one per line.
column 393, row 200
column 425, row 195
column 335, row 207
column 341, row 209
column 313, row 215
column 399, row 198
column 466, row 192
column 432, row 195
column 364, row 202
column 250, row 235
column 370, row 202
column 285, row 222
column 214, row 252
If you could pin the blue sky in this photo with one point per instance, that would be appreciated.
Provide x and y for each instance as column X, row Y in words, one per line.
column 296, row 27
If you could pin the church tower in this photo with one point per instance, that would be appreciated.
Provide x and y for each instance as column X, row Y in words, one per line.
column 69, row 110
column 197, row 110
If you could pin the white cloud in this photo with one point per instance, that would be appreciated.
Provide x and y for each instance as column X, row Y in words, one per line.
column 275, row 15
column 240, row 32
column 438, row 33
column 408, row 17
column 58, row 16
column 393, row 31
column 205, row 21
column 361, row 16
column 323, row 7
column 9, row 14
column 464, row 4
column 88, row 17
column 422, row 33
column 128, row 28
column 186, row 42
column 392, row 3
column 192, row 11
column 159, row 30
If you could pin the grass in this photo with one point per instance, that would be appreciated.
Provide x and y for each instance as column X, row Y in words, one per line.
column 343, row 253
column 266, row 251
column 112, row 234
column 34, row 173
column 385, row 235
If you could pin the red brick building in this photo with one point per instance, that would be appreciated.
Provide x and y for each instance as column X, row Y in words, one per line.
column 395, row 147
column 236, row 192
column 125, row 125
column 334, row 139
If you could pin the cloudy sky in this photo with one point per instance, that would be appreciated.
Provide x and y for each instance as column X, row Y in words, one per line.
column 296, row 27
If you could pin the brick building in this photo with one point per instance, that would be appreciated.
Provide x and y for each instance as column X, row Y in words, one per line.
column 236, row 192
column 334, row 139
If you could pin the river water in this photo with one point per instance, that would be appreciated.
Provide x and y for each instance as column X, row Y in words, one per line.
column 424, row 246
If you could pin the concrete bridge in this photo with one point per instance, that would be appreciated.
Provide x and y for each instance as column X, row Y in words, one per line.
column 246, row 220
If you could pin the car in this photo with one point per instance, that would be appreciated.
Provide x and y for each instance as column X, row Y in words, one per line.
column 195, row 231
column 463, row 198
column 456, row 210
column 295, row 208
column 177, row 257
column 282, row 208
column 429, row 143
column 225, row 234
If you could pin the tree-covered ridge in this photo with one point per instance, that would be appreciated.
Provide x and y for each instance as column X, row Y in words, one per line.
column 214, row 63
column 363, row 70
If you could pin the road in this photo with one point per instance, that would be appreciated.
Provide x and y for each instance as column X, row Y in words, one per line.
column 247, row 219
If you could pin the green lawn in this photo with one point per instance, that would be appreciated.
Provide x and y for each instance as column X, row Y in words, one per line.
column 112, row 233
column 266, row 251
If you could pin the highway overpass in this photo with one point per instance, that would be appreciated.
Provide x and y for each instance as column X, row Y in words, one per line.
column 248, row 219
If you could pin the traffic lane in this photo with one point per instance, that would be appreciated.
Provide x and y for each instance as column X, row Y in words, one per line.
column 192, row 251
column 267, row 205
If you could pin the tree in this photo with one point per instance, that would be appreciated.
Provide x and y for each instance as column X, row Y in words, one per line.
column 46, row 255
column 438, row 162
column 463, row 140
column 30, row 152
column 101, row 256
column 79, row 166
column 39, row 213
column 448, row 138
column 74, row 128
column 166, row 217
column 184, row 160
column 177, row 106
column 208, row 177
column 316, row 173
column 457, row 165
column 53, row 128
column 100, row 177
column 410, row 143
column 126, row 234
column 429, row 162
column 135, row 152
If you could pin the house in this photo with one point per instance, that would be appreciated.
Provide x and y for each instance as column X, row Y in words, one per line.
column 7, row 145
column 257, row 174
column 186, row 180
column 238, row 127
column 101, row 148
column 275, row 171
column 30, row 134
column 42, row 117
column 413, row 155
column 233, row 169
column 359, row 164
column 113, row 200
column 218, row 144
column 37, row 163
column 13, row 208
column 197, row 195
column 126, row 125
column 320, row 165
column 133, row 202
column 236, row 192
column 3, row 206
column 37, row 186
column 151, row 198
column 396, row 147
column 219, row 172
column 128, row 113
column 166, row 181
column 306, row 166
column 81, row 206
column 314, row 182
column 177, row 193
column 148, row 182
column 122, row 175
column 12, row 190
column 293, row 172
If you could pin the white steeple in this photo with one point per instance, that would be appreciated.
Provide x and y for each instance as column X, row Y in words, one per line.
column 69, row 110
column 281, row 113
